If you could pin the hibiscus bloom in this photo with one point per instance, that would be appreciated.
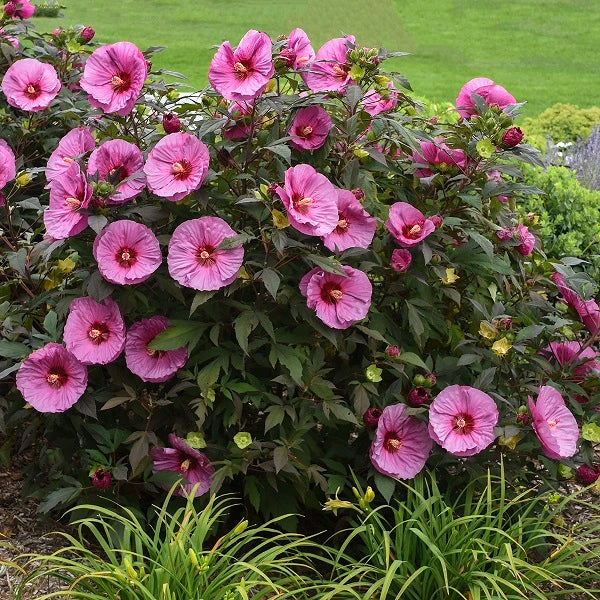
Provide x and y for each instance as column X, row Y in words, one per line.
column 401, row 260
column 154, row 366
column 51, row 379
column 242, row 74
column 94, row 332
column 30, row 85
column 297, row 52
column 526, row 238
column 401, row 445
column 355, row 227
column 462, row 420
column 126, row 252
column 23, row 9
column 375, row 102
column 408, row 224
column 588, row 310
column 439, row 154
column 181, row 458
column 492, row 94
column 114, row 76
column 330, row 70
column 554, row 424
column 310, row 128
column 70, row 194
column 338, row 300
column 310, row 200
column 76, row 143
column 570, row 353
column 8, row 168
column 120, row 163
column 194, row 258
column 11, row 39
column 177, row 166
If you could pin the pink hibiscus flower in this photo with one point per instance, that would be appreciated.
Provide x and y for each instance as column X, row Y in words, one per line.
column 330, row 70
column 30, row 85
column 195, row 260
column 70, row 194
column 408, row 224
column 497, row 176
column 527, row 240
column 126, row 252
column 462, row 420
column 76, row 143
column 297, row 52
column 554, row 424
column 375, row 102
column 310, row 200
column 51, row 379
column 114, row 76
column 177, row 166
column 242, row 74
column 240, row 113
column 8, row 168
column 570, row 353
column 11, row 39
column 337, row 300
column 181, row 458
column 401, row 445
column 355, row 227
column 94, row 333
column 120, row 163
column 154, row 366
column 492, row 94
column 588, row 310
column 401, row 260
column 310, row 128
column 23, row 9
column 439, row 154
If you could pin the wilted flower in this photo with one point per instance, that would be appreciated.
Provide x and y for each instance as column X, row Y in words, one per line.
column 51, row 379
column 11, row 39
column 450, row 278
column 439, row 155
column 375, row 102
column 497, row 176
column 75, row 143
column 154, row 366
column 492, row 94
column 171, row 123
column 330, row 71
column 462, row 420
column 512, row 137
column 310, row 128
column 392, row 351
column 87, row 34
column 418, row 396
column 401, row 260
column 101, row 479
column 401, row 445
column 501, row 347
column 567, row 353
column 114, row 76
column 30, row 85
column 23, row 9
column 180, row 458
column 371, row 417
column 487, row 331
column 588, row 474
column 554, row 424
column 588, row 310
column 527, row 240
column 7, row 164
column 408, row 224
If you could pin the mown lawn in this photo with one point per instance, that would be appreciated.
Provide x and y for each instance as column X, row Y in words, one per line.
column 543, row 51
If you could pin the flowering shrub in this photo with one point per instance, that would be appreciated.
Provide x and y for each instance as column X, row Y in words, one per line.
column 330, row 254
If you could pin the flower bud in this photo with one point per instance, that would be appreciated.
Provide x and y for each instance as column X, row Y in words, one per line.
column 437, row 220
column 240, row 527
column 369, row 495
column 392, row 351
column 171, row 123
column 430, row 380
column 506, row 322
column 358, row 193
column 417, row 397
column 101, row 479
column 57, row 31
column 512, row 137
column 10, row 8
column 523, row 419
column 193, row 557
column 588, row 474
column 87, row 34
column 371, row 417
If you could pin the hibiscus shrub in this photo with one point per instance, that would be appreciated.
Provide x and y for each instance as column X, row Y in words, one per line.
column 263, row 285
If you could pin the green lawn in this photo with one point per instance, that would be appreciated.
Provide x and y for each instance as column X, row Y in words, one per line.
column 543, row 51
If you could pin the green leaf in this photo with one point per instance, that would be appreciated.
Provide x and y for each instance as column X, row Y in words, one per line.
column 483, row 243
column 385, row 485
column 235, row 241
column 280, row 458
column 327, row 264
column 51, row 325
column 179, row 334
column 271, row 280
column 342, row 412
column 199, row 299
column 281, row 150
column 288, row 358
column 59, row 497
column 528, row 333
column 243, row 326
column 13, row 350
column 275, row 417
column 414, row 321
column 410, row 358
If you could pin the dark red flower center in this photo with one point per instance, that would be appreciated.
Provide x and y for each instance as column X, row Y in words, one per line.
column 301, row 204
column 32, row 91
column 463, row 423
column 392, row 442
column 343, row 224
column 412, row 232
column 242, row 69
column 331, row 292
column 181, row 169
column 204, row 255
column 56, row 377
column 120, row 82
column 126, row 257
column 98, row 333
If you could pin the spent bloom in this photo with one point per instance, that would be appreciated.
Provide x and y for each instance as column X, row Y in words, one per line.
column 497, row 176
column 401, row 259
column 355, row 227
column 51, row 379
column 526, row 238
column 439, row 155
column 121, row 164
column 243, row 73
column 181, row 458
column 375, row 102
column 330, row 70
column 401, row 445
column 462, row 420
column 418, row 396
column 338, row 300
column 94, row 332
column 554, row 424
column 310, row 128
column 310, row 200
column 8, row 168
column 23, row 9
column 101, row 479
column 150, row 365
column 408, row 225
column 171, row 123
column 126, row 252
column 30, row 85
column 11, row 39
column 114, row 76
column 588, row 310
column 492, row 94
column 512, row 137
column 70, row 194
column 570, row 353
column 588, row 474
column 176, row 166
column 297, row 52
column 87, row 34
column 371, row 417
column 194, row 258
column 74, row 144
